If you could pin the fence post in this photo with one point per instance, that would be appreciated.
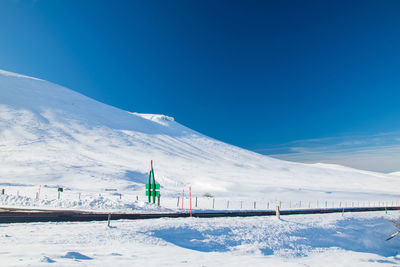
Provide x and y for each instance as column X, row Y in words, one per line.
column 255, row 205
column 108, row 220
column 278, row 214
column 190, row 199
column 183, row 197
column 213, row 203
column 196, row 203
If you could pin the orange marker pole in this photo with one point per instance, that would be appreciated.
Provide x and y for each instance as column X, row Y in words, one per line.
column 190, row 197
column 183, row 197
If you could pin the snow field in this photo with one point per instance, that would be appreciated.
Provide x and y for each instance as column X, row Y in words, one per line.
column 312, row 240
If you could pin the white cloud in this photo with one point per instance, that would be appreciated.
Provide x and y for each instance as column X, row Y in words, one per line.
column 378, row 152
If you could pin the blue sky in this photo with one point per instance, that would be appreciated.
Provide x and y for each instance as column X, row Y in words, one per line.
column 311, row 81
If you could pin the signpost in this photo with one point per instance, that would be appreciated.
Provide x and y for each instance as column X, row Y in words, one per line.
column 152, row 187
column 60, row 189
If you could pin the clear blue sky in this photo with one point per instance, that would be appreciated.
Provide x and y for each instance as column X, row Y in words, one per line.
column 263, row 75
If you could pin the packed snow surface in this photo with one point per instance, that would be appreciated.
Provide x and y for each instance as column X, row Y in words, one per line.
column 297, row 240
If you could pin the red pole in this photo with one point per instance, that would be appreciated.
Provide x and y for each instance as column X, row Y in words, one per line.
column 190, row 197
column 183, row 196
column 39, row 191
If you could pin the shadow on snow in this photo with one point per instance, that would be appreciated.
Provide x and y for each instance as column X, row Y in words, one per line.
column 359, row 235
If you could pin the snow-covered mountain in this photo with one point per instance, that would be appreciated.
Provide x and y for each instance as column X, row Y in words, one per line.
column 52, row 135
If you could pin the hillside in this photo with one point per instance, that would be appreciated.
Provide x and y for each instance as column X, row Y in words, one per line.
column 52, row 135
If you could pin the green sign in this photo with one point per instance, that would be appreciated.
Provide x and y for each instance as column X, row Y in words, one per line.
column 152, row 193
column 151, row 188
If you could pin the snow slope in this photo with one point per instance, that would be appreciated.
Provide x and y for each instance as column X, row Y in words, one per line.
column 55, row 136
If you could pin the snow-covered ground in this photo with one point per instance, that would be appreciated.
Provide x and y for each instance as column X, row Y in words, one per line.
column 18, row 196
column 53, row 137
column 312, row 240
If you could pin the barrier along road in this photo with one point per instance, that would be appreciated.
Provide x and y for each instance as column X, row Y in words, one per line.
column 13, row 215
